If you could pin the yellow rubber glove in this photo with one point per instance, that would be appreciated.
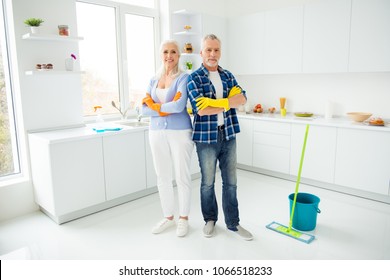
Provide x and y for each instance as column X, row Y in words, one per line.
column 204, row 102
column 177, row 96
column 147, row 100
column 154, row 106
column 234, row 91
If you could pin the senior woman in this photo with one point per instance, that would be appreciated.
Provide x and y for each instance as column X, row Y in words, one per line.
column 170, row 137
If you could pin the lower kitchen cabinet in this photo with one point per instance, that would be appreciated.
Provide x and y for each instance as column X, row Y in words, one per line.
column 320, row 152
column 363, row 160
column 67, row 175
column 124, row 163
column 76, row 172
column 245, row 142
column 151, row 177
column 271, row 146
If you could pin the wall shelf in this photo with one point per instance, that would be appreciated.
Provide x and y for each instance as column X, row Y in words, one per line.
column 186, row 33
column 51, row 72
column 50, row 37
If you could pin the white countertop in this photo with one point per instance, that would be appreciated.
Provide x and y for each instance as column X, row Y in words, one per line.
column 84, row 132
column 343, row 122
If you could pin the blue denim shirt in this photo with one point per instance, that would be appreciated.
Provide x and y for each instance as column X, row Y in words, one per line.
column 206, row 127
column 178, row 118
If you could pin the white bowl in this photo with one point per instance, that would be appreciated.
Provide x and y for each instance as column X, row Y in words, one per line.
column 359, row 116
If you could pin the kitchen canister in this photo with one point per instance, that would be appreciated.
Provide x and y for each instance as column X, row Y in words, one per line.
column 328, row 109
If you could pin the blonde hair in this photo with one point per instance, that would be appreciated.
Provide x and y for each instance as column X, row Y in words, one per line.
column 177, row 70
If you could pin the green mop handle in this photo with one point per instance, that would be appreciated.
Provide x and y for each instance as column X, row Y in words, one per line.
column 299, row 178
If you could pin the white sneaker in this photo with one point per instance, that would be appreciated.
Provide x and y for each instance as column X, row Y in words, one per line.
column 182, row 228
column 163, row 225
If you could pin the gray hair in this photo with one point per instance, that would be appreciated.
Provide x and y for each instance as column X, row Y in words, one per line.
column 177, row 70
column 210, row 37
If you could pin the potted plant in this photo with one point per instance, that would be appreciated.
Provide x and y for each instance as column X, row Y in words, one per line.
column 34, row 23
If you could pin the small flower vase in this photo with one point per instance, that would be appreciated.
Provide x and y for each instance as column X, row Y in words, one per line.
column 69, row 64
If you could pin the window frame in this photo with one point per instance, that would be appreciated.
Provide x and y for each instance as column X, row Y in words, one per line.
column 11, row 81
column 121, row 10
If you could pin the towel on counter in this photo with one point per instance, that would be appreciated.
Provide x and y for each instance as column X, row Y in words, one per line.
column 99, row 130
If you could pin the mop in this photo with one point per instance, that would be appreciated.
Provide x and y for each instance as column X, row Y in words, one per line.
column 301, row 236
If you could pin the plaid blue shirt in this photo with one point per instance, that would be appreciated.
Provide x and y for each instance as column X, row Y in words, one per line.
column 206, row 127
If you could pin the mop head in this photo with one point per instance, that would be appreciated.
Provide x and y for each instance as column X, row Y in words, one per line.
column 304, row 237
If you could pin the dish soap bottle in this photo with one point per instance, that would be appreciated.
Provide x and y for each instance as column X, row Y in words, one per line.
column 99, row 118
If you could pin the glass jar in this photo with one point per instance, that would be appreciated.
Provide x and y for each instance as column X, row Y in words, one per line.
column 188, row 48
column 63, row 30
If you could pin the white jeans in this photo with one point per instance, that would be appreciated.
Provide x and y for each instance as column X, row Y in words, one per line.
column 172, row 147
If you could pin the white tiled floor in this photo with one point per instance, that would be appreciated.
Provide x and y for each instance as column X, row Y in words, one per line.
column 347, row 228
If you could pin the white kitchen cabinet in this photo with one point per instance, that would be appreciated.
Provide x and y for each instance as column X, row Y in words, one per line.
column 151, row 177
column 320, row 153
column 77, row 171
column 283, row 40
column 218, row 26
column 363, row 160
column 326, row 36
column 67, row 175
column 271, row 145
column 124, row 163
column 370, row 40
column 245, row 142
column 246, row 44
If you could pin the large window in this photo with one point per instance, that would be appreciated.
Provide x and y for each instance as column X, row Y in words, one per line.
column 9, row 157
column 117, row 53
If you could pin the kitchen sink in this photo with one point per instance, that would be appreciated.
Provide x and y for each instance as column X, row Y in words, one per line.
column 135, row 124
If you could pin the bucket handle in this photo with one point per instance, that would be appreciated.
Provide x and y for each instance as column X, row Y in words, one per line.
column 317, row 209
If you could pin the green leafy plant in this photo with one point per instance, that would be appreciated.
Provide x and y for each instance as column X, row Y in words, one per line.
column 33, row 21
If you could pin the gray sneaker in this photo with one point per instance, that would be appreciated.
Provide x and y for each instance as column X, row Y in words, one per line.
column 208, row 229
column 243, row 233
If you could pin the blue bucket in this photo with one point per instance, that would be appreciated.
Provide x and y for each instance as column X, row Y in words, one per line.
column 306, row 210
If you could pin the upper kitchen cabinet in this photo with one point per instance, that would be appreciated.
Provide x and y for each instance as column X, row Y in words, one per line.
column 246, row 44
column 370, row 36
column 283, row 40
column 326, row 36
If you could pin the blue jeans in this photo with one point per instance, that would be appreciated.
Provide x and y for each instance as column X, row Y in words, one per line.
column 208, row 154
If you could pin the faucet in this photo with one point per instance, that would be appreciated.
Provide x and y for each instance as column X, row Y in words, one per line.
column 139, row 116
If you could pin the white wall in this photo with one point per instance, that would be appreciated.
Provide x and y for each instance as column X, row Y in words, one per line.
column 367, row 92
column 55, row 100
column 44, row 101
